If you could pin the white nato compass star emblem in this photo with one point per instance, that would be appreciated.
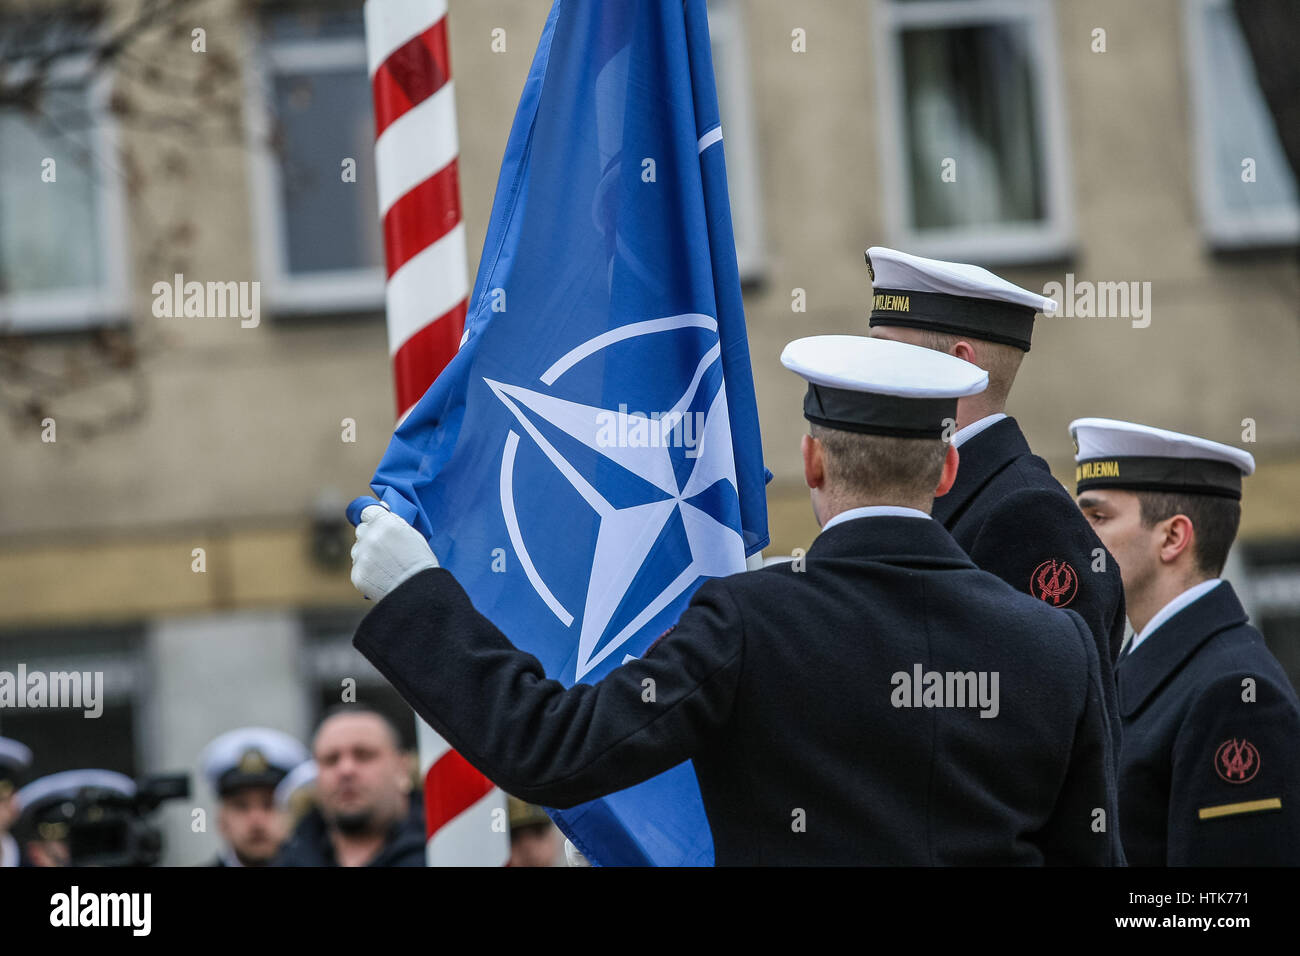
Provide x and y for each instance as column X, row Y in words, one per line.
column 628, row 532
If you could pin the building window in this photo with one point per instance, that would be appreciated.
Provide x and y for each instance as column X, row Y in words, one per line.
column 1245, row 187
column 1268, row 577
column 64, row 738
column 972, row 129
column 62, row 246
column 740, row 144
column 320, row 245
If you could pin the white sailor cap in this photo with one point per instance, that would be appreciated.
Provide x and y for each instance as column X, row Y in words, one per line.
column 1132, row 457
column 250, row 757
column 880, row 387
column 47, row 791
column 296, row 785
column 951, row 297
column 48, row 804
column 15, row 759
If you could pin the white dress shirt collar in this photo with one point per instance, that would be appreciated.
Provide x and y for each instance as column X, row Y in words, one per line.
column 874, row 511
column 1195, row 592
column 228, row 856
column 968, row 432
column 8, row 851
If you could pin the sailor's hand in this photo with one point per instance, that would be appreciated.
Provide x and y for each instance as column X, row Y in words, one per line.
column 387, row 552
column 573, row 856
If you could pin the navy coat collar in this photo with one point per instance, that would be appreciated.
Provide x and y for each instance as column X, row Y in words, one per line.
column 981, row 459
column 892, row 540
column 1163, row 651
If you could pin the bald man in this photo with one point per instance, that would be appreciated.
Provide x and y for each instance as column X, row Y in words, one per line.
column 364, row 814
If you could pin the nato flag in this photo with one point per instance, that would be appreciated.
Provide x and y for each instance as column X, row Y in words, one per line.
column 592, row 453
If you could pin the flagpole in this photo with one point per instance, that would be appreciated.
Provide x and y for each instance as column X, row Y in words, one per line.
column 426, row 296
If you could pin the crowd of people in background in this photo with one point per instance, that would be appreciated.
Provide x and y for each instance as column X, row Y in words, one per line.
column 352, row 799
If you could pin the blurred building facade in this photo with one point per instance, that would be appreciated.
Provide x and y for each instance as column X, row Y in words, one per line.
column 183, row 530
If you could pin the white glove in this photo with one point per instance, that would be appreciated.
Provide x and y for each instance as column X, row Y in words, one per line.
column 573, row 856
column 387, row 552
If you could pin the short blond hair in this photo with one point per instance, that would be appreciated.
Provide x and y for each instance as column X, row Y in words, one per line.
column 880, row 466
column 1002, row 362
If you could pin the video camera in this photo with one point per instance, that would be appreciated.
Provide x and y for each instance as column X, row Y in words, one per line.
column 104, row 827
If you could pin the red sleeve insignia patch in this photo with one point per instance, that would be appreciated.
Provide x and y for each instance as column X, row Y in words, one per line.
column 1236, row 761
column 1055, row 582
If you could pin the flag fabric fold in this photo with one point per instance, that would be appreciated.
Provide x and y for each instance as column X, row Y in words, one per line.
column 591, row 454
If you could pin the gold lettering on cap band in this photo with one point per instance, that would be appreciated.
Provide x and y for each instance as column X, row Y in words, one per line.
column 1096, row 469
column 1231, row 809
column 892, row 303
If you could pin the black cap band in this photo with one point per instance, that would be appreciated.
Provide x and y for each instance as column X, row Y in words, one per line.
column 9, row 773
column 874, row 414
column 1193, row 476
column 233, row 780
column 987, row 319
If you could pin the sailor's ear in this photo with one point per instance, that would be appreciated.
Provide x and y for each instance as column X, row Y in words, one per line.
column 814, row 461
column 949, row 474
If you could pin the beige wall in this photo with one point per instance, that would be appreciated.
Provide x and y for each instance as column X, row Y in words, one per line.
column 1224, row 341
column 242, row 428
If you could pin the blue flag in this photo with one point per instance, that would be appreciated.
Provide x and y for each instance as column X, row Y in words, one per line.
column 591, row 455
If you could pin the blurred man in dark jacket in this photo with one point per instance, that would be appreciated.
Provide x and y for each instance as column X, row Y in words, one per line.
column 365, row 813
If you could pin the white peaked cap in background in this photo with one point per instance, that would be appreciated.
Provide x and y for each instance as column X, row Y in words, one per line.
column 951, row 297
column 1126, row 455
column 892, row 269
column 66, row 783
column 250, row 755
column 1112, row 438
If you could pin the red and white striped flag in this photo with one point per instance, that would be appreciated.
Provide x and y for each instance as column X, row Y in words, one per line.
column 427, row 293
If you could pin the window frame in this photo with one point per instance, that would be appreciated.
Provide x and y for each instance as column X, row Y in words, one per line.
column 1222, row 228
column 77, row 308
column 332, row 291
column 1053, row 238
